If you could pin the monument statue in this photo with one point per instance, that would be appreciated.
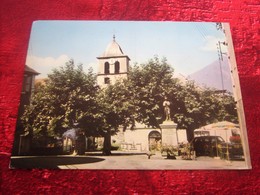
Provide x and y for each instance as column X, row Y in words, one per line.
column 167, row 111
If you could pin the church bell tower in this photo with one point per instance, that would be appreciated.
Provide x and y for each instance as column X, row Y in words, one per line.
column 113, row 65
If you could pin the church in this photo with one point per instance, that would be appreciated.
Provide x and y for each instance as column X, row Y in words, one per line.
column 113, row 65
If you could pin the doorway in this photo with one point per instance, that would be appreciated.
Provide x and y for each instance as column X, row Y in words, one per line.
column 155, row 141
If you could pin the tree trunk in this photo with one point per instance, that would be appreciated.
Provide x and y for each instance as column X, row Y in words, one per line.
column 107, row 144
column 190, row 133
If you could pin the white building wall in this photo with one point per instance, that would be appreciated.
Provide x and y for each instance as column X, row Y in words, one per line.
column 182, row 136
column 139, row 138
column 113, row 79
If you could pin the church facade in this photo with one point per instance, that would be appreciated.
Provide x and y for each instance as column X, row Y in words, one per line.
column 113, row 65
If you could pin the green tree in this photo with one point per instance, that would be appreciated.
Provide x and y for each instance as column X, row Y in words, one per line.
column 116, row 110
column 149, row 84
column 67, row 96
column 201, row 106
column 228, row 110
column 191, row 106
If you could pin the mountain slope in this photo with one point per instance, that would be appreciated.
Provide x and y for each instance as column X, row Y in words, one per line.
column 210, row 76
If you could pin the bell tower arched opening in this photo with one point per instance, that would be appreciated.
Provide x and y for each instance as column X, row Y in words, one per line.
column 107, row 68
column 117, row 67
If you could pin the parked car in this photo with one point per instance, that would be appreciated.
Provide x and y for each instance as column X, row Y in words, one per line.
column 206, row 145
column 216, row 146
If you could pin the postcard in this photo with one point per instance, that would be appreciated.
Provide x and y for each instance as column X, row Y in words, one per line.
column 130, row 95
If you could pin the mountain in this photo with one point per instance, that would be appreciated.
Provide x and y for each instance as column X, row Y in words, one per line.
column 210, row 76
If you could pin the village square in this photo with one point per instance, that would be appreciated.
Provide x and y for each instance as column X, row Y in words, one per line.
column 124, row 116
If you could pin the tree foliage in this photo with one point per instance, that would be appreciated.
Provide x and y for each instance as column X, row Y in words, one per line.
column 66, row 97
column 149, row 84
column 116, row 110
column 191, row 106
column 69, row 95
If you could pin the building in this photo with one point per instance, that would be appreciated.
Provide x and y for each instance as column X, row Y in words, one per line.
column 113, row 65
column 27, row 88
column 22, row 141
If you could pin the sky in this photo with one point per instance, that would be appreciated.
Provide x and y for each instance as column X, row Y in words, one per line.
column 187, row 46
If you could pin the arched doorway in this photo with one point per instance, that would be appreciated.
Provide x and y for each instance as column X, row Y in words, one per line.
column 154, row 140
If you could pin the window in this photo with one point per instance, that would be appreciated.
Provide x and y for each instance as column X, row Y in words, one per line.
column 107, row 68
column 107, row 80
column 117, row 67
column 27, row 83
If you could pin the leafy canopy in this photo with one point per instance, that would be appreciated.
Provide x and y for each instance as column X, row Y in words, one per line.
column 67, row 96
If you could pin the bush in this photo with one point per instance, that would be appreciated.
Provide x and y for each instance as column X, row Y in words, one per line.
column 170, row 151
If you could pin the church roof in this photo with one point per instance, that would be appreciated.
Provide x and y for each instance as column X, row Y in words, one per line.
column 113, row 50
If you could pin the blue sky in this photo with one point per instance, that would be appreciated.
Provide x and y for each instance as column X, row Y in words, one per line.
column 187, row 46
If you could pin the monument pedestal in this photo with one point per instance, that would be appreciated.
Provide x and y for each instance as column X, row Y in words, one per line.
column 169, row 133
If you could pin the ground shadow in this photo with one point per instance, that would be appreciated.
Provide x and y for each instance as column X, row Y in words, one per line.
column 115, row 154
column 50, row 162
